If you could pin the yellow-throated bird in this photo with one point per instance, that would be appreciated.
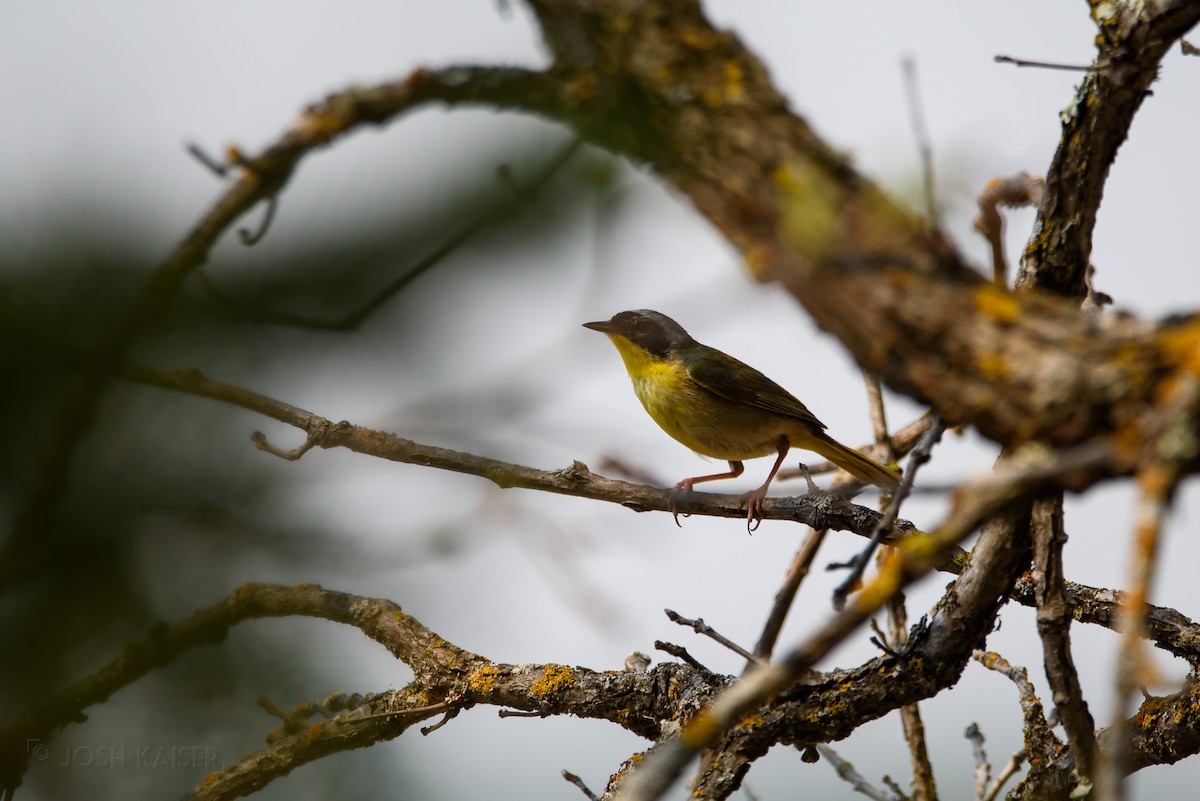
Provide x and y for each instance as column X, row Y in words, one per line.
column 720, row 407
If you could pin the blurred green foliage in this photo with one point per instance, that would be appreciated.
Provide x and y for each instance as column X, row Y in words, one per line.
column 168, row 506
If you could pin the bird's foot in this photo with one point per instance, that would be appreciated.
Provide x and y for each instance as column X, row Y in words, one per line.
column 679, row 498
column 752, row 500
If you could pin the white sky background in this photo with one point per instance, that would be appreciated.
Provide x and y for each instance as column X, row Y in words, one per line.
column 107, row 94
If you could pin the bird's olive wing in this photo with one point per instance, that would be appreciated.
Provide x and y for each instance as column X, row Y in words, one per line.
column 728, row 378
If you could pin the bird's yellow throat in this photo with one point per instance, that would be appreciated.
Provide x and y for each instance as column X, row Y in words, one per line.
column 646, row 369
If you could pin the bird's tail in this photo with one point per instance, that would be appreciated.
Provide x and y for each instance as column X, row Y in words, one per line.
column 855, row 463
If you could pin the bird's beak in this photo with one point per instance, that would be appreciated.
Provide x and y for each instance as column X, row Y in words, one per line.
column 604, row 327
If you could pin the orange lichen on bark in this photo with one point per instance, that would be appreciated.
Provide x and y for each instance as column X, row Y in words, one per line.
column 554, row 680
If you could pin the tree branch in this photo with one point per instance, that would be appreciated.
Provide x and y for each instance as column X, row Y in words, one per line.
column 261, row 178
column 1053, row 622
column 1130, row 43
column 1167, row 628
column 963, row 618
column 825, row 511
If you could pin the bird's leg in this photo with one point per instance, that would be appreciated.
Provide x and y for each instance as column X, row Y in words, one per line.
column 753, row 499
column 685, row 487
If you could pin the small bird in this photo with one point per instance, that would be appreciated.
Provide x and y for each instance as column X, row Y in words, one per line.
column 722, row 408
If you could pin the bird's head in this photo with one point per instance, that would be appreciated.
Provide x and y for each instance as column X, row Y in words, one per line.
column 652, row 331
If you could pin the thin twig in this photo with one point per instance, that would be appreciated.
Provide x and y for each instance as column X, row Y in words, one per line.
column 891, row 784
column 1004, row 774
column 262, row 177
column 578, row 782
column 1170, row 630
column 878, row 413
column 846, row 772
column 1050, row 65
column 924, row 785
column 218, row 168
column 826, row 512
column 679, row 652
column 983, row 768
column 290, row 455
column 1040, row 742
column 1156, row 483
column 700, row 627
column 1054, row 629
column 978, row 500
column 1016, row 191
column 916, row 114
column 356, row 317
column 786, row 594
column 250, row 238
column 450, row 715
column 920, row 455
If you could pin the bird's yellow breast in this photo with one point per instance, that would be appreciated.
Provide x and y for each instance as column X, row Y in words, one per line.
column 709, row 425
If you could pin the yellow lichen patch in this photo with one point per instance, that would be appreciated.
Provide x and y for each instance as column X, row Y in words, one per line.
column 756, row 256
column 699, row 731
column 621, row 23
column 876, row 592
column 751, row 722
column 918, row 545
column 989, row 659
column 900, row 279
column 1181, row 346
column 994, row 366
column 313, row 733
column 961, row 560
column 810, row 204
column 1155, row 481
column 735, row 87
column 700, row 38
column 998, row 304
column 712, row 97
column 556, row 679
column 481, row 680
column 1127, row 441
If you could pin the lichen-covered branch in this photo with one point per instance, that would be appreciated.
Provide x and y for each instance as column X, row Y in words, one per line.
column 1131, row 40
column 1054, row 622
column 961, row 621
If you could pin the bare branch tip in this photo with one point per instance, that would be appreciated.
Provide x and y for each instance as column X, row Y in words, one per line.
column 578, row 782
column 250, row 238
column 201, row 155
column 446, row 718
column 263, row 444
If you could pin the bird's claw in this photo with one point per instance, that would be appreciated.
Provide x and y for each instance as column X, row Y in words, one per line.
column 753, row 503
column 679, row 492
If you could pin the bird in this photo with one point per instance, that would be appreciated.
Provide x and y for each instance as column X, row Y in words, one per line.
column 722, row 408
